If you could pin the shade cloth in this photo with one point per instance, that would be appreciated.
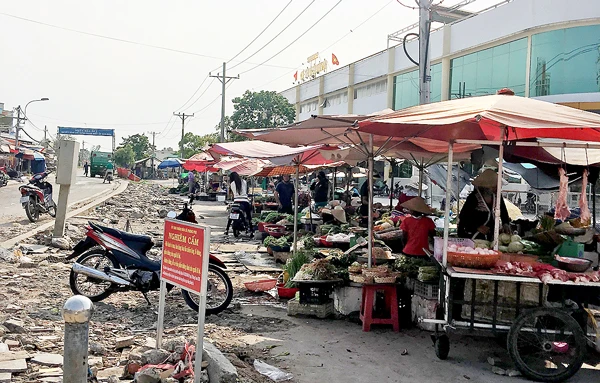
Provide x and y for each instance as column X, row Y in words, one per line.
column 274, row 171
column 200, row 162
column 480, row 118
column 170, row 163
column 242, row 166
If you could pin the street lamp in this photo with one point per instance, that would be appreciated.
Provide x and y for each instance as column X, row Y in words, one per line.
column 25, row 114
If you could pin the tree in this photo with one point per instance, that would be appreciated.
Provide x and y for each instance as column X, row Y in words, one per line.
column 193, row 143
column 262, row 109
column 124, row 156
column 140, row 144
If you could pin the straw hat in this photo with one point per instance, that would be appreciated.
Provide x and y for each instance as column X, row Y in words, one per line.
column 339, row 213
column 487, row 179
column 418, row 205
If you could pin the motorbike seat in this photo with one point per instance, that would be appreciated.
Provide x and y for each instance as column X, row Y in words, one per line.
column 137, row 241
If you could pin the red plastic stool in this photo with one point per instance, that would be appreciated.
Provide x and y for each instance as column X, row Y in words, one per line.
column 368, row 303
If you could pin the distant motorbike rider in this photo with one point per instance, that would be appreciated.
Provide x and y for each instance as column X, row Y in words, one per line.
column 239, row 189
column 108, row 173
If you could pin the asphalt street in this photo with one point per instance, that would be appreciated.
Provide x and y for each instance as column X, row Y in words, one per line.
column 85, row 187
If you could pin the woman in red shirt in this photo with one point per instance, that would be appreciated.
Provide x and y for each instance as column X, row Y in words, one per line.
column 417, row 228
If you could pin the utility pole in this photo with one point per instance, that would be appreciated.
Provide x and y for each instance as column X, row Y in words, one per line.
column 154, row 151
column 224, row 81
column 18, row 126
column 424, row 57
column 46, row 132
column 183, row 116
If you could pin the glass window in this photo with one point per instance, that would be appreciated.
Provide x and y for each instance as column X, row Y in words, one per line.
column 489, row 70
column 565, row 61
column 406, row 87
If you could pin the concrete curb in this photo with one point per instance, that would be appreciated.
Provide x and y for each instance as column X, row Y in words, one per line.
column 13, row 241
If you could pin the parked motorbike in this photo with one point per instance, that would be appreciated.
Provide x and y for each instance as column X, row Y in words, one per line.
column 3, row 178
column 238, row 219
column 380, row 188
column 112, row 260
column 36, row 197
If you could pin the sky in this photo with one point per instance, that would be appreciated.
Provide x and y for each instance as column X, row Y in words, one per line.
column 128, row 65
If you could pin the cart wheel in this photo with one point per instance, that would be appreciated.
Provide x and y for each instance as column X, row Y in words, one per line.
column 547, row 345
column 442, row 347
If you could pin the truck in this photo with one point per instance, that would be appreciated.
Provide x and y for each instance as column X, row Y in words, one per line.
column 98, row 161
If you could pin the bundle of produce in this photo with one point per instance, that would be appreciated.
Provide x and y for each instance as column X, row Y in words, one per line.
column 317, row 270
column 293, row 266
column 454, row 248
column 428, row 274
column 355, row 268
column 329, row 229
column 276, row 243
column 390, row 235
column 410, row 265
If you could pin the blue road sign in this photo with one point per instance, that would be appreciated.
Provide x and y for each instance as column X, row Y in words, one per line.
column 86, row 131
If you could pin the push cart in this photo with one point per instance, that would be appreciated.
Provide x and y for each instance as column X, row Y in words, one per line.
column 546, row 341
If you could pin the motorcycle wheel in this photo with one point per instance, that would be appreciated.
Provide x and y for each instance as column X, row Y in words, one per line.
column 236, row 232
column 52, row 210
column 31, row 210
column 218, row 295
column 94, row 289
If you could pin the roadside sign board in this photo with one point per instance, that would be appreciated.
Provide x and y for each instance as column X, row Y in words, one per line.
column 85, row 131
column 184, row 255
column 186, row 248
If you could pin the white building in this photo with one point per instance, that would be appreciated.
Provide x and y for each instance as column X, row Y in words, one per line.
column 548, row 49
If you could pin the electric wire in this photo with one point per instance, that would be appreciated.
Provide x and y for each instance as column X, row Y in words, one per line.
column 296, row 39
column 277, row 35
column 261, row 33
column 192, row 96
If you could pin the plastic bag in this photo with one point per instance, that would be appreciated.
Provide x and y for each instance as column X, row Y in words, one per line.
column 271, row 372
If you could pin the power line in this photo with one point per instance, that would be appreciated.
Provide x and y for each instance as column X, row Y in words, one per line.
column 296, row 39
column 263, row 31
column 192, row 96
column 277, row 35
column 201, row 94
column 118, row 39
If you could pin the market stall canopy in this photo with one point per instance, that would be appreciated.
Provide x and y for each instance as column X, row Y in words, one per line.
column 30, row 155
column 438, row 173
column 200, row 162
column 275, row 153
column 480, row 118
column 170, row 163
column 242, row 166
column 5, row 146
column 273, row 171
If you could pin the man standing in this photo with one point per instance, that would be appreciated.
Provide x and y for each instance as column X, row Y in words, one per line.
column 108, row 173
column 86, row 166
column 191, row 182
column 284, row 192
column 321, row 189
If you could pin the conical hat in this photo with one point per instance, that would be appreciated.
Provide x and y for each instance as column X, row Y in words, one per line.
column 418, row 205
column 339, row 213
column 487, row 179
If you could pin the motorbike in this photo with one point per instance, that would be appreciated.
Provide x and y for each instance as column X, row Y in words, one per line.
column 380, row 188
column 238, row 220
column 36, row 197
column 112, row 260
column 3, row 178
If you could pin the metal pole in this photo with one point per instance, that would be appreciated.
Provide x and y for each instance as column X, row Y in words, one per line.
column 392, row 162
column 498, row 194
column 76, row 313
column 296, row 206
column 161, row 314
column 421, row 170
column 223, row 83
column 424, row 57
column 334, row 180
column 447, row 207
column 182, row 136
column 370, row 181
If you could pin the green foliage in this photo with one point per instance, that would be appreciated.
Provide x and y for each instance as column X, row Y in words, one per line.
column 293, row 265
column 124, row 156
column 271, row 241
column 140, row 144
column 193, row 143
column 262, row 109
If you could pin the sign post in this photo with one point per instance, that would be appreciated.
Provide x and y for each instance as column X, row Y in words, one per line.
column 186, row 248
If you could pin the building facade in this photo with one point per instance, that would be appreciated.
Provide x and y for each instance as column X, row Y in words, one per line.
column 547, row 49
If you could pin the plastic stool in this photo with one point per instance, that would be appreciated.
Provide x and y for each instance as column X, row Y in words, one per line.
column 368, row 303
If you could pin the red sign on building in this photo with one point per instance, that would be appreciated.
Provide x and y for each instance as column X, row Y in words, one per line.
column 183, row 254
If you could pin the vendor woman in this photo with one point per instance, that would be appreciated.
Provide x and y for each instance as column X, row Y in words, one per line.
column 476, row 219
column 417, row 228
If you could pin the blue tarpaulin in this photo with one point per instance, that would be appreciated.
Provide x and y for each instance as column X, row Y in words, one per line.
column 170, row 163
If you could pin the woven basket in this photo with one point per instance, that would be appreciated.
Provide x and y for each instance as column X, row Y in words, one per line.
column 473, row 261
column 385, row 279
column 371, row 273
column 354, row 269
column 357, row 278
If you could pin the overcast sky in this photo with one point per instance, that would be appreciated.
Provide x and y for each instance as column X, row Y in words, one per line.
column 99, row 82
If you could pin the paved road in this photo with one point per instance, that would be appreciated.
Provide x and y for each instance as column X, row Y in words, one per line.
column 11, row 210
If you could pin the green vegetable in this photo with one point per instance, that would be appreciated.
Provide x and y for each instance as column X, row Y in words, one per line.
column 294, row 264
column 482, row 243
column 515, row 247
column 271, row 241
column 515, row 238
column 503, row 249
column 273, row 217
column 504, row 238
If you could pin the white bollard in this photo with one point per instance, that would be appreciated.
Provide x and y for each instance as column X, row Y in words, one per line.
column 76, row 313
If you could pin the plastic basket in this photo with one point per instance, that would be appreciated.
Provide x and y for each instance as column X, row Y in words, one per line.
column 474, row 261
column 438, row 245
column 426, row 290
